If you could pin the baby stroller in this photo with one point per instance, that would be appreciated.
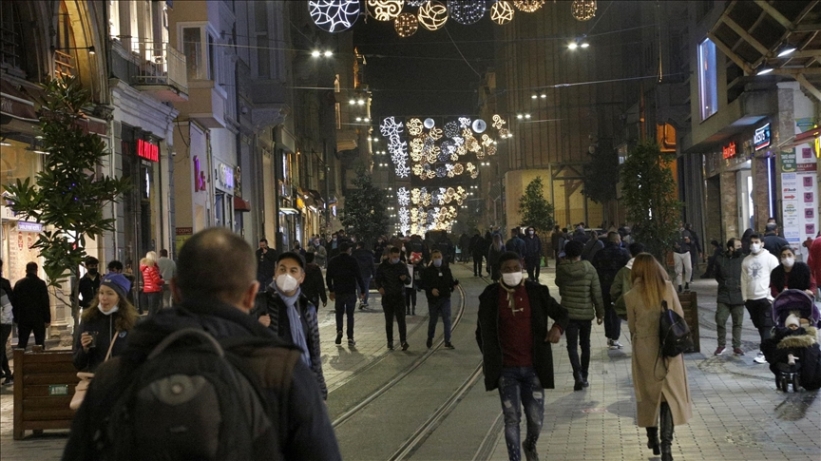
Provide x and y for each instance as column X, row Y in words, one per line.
column 793, row 351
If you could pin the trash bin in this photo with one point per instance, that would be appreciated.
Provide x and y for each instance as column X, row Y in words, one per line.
column 689, row 304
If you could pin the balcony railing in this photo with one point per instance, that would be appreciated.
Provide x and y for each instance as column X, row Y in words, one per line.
column 159, row 64
column 63, row 64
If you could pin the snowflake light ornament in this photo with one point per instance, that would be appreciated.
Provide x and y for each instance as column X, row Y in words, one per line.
column 467, row 12
column 464, row 122
column 334, row 15
column 385, row 10
column 501, row 12
column 528, row 6
column 433, row 15
column 451, row 129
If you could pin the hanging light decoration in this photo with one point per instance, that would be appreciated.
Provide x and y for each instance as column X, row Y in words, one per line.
column 415, row 3
column 467, row 12
column 385, row 10
column 528, row 6
column 583, row 10
column 334, row 15
column 433, row 15
column 406, row 24
column 501, row 12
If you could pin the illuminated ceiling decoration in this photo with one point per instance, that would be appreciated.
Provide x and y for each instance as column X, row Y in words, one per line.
column 414, row 127
column 583, row 10
column 385, row 10
column 501, row 12
column 451, row 129
column 429, row 123
column 334, row 15
column 397, row 147
column 406, row 24
column 467, row 12
column 415, row 3
column 498, row 122
column 528, row 6
column 433, row 15
column 479, row 125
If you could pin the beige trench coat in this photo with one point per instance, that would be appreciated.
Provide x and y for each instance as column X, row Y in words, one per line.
column 651, row 383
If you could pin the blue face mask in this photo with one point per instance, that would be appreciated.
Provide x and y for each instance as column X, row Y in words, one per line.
column 437, row 262
column 394, row 260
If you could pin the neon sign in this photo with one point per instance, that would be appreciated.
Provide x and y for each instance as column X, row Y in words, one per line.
column 729, row 151
column 762, row 137
column 148, row 151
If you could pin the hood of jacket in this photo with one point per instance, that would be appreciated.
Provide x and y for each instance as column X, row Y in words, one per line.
column 574, row 268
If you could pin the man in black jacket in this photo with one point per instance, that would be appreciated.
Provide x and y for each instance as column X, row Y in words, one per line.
column 439, row 283
column 266, row 263
column 515, row 342
column 217, row 301
column 477, row 243
column 7, row 323
column 31, row 308
column 314, row 285
column 729, row 301
column 366, row 260
column 90, row 282
column 608, row 262
column 343, row 278
column 390, row 281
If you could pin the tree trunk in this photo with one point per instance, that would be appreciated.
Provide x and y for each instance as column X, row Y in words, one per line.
column 75, row 304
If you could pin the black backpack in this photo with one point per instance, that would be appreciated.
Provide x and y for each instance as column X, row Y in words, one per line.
column 674, row 334
column 195, row 397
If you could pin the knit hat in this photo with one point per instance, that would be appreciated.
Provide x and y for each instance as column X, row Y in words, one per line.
column 118, row 283
column 792, row 319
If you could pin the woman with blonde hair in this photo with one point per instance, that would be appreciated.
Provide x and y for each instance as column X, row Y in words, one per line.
column 152, row 283
column 660, row 383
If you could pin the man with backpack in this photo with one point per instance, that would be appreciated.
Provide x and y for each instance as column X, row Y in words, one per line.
column 205, row 380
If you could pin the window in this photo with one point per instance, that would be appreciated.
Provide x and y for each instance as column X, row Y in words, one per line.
column 707, row 78
column 199, row 58
column 114, row 18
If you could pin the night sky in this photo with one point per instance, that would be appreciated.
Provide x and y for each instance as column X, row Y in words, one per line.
column 424, row 75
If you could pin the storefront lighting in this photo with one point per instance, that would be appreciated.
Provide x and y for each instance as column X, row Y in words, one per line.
column 786, row 51
column 764, row 71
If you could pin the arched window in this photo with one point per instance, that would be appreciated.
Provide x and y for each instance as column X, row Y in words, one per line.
column 12, row 52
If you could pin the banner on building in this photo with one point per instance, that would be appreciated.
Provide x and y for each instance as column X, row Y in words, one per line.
column 799, row 196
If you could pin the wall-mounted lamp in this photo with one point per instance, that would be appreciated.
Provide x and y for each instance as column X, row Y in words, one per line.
column 90, row 49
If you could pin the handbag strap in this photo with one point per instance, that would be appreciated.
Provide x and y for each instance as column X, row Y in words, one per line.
column 111, row 346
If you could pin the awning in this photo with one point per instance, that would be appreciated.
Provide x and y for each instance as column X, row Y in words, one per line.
column 16, row 103
column 287, row 211
column 241, row 205
column 806, row 137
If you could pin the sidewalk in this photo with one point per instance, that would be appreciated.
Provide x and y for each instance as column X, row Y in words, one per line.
column 737, row 412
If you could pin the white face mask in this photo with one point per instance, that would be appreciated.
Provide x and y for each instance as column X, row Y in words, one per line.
column 110, row 311
column 788, row 262
column 755, row 247
column 286, row 283
column 512, row 279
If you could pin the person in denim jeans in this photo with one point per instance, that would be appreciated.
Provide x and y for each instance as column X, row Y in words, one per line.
column 343, row 278
column 438, row 283
column 514, row 338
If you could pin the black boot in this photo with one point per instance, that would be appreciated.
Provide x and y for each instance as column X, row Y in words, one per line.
column 666, row 417
column 584, row 378
column 653, row 439
column 579, row 384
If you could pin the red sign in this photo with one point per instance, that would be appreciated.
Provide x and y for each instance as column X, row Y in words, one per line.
column 728, row 151
column 148, row 151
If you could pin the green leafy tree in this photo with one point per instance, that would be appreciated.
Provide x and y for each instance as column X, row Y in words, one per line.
column 535, row 209
column 649, row 194
column 601, row 176
column 365, row 213
column 69, row 194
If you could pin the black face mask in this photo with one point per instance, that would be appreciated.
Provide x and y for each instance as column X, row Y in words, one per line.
column 92, row 271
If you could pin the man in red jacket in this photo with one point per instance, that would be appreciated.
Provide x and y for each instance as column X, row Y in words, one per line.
column 814, row 259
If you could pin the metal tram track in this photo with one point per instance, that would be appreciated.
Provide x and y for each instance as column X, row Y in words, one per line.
column 351, row 412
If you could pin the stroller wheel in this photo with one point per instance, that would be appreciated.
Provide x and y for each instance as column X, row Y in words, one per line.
column 795, row 382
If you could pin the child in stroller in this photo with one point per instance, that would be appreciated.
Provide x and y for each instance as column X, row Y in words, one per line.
column 793, row 351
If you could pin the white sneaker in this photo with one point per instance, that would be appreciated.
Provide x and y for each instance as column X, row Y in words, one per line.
column 760, row 358
column 616, row 345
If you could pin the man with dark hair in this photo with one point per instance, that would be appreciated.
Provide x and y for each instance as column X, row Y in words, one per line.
column 390, row 281
column 314, row 285
column 116, row 267
column 533, row 254
column 608, row 262
column 516, row 244
column 477, row 243
column 32, row 310
column 216, row 301
column 755, row 289
column 514, row 338
column 343, row 278
column 266, row 263
column 623, row 283
column 729, row 301
column 772, row 242
column 366, row 260
column 90, row 282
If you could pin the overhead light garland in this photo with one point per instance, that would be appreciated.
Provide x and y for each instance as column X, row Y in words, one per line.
column 583, row 10
column 528, row 6
column 501, row 12
column 334, row 15
column 467, row 12
column 385, row 10
column 406, row 24
column 433, row 15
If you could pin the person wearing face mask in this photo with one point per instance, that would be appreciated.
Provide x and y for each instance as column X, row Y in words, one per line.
column 513, row 335
column 292, row 316
column 533, row 254
column 90, row 282
column 681, row 256
column 729, row 301
column 755, row 288
column 109, row 318
column 438, row 281
column 390, row 281
column 791, row 274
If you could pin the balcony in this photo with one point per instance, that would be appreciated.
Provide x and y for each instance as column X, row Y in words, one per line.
column 63, row 64
column 159, row 70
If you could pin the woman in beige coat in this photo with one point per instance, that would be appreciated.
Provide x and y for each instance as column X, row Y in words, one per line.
column 662, row 392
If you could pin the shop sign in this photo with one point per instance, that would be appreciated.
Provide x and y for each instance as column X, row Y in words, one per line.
column 729, row 151
column 148, row 151
column 25, row 226
column 762, row 137
column 225, row 177
column 799, row 198
column 788, row 163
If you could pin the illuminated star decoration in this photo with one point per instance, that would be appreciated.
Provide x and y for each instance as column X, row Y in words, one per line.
column 334, row 15
column 467, row 12
column 433, row 15
column 385, row 10
column 501, row 12
column 528, row 6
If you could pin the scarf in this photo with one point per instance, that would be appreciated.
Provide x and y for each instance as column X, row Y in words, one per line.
column 295, row 321
column 511, row 296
